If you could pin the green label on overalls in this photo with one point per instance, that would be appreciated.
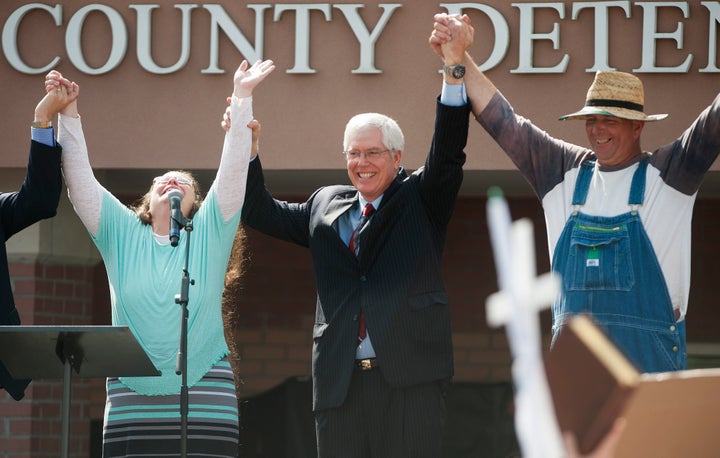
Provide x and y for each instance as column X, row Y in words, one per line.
column 593, row 258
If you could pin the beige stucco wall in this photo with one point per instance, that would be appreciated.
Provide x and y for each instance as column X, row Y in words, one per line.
column 134, row 119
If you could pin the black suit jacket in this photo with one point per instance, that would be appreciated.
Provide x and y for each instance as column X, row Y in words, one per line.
column 37, row 199
column 396, row 280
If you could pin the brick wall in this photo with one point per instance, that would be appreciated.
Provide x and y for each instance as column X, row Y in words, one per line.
column 703, row 319
column 48, row 293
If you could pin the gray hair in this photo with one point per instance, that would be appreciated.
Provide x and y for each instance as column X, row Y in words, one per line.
column 392, row 136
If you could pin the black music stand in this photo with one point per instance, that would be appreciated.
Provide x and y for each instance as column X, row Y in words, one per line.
column 55, row 351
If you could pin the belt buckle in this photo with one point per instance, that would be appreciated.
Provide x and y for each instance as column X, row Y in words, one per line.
column 365, row 364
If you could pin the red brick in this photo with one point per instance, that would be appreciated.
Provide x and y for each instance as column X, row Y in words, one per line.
column 26, row 269
column 501, row 374
column 471, row 373
column 470, row 340
column 55, row 271
column 250, row 368
column 25, row 286
column 299, row 353
column 78, row 273
column 263, row 352
column 460, row 355
column 287, row 368
column 489, row 357
column 499, row 340
column 13, row 445
column 64, row 289
column 76, row 308
column 244, row 335
column 288, row 337
column 20, row 427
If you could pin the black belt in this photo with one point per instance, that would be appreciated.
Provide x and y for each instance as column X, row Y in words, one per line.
column 366, row 364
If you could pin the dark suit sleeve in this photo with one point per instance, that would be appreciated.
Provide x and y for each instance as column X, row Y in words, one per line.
column 39, row 194
column 442, row 174
column 280, row 219
column 37, row 199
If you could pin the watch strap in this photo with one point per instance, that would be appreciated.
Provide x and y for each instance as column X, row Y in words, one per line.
column 42, row 124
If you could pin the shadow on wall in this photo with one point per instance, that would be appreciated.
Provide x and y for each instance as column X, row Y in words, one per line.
column 279, row 423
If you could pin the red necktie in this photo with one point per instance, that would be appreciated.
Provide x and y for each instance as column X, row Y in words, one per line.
column 367, row 211
column 354, row 247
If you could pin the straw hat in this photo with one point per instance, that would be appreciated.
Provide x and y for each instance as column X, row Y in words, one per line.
column 615, row 94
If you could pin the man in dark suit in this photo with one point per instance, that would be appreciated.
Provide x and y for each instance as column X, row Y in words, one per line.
column 378, row 393
column 37, row 199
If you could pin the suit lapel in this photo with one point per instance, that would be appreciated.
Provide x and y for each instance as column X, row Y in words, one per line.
column 394, row 186
column 339, row 205
column 370, row 235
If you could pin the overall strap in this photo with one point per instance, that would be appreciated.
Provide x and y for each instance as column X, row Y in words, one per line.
column 583, row 182
column 637, row 187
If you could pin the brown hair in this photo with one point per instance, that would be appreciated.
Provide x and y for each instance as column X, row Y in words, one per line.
column 230, row 305
column 237, row 261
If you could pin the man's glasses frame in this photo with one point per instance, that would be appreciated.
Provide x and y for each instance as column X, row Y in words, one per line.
column 370, row 155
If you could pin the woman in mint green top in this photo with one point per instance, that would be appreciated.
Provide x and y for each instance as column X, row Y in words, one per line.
column 142, row 414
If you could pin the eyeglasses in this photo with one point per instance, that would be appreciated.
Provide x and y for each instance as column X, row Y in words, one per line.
column 354, row 155
column 163, row 180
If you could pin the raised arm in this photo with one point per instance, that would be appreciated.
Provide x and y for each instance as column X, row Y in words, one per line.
column 84, row 191
column 232, row 173
column 451, row 37
column 39, row 194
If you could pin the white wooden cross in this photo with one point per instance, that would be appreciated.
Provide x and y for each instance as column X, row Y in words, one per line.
column 522, row 295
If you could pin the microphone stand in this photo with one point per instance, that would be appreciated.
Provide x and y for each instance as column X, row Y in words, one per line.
column 181, row 361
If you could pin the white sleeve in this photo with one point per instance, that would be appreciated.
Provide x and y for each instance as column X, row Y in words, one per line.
column 231, row 177
column 84, row 191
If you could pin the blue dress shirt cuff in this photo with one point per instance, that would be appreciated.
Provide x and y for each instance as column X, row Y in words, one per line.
column 453, row 95
column 45, row 136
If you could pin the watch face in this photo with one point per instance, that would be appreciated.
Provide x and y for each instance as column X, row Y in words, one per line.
column 458, row 71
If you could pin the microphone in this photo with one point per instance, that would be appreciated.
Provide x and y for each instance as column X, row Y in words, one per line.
column 177, row 220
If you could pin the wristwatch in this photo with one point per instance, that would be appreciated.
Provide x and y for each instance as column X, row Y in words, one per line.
column 41, row 124
column 456, row 71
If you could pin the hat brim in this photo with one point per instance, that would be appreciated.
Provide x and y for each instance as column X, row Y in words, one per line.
column 623, row 113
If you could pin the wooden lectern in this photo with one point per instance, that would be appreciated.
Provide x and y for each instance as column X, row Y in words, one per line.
column 668, row 414
column 57, row 351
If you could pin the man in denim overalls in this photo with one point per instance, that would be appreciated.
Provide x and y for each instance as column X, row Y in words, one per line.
column 618, row 218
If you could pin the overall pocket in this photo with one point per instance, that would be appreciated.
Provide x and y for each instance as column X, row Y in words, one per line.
column 599, row 259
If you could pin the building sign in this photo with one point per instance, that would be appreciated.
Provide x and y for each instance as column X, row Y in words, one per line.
column 644, row 14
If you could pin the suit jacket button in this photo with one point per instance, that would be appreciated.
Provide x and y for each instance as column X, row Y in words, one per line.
column 363, row 278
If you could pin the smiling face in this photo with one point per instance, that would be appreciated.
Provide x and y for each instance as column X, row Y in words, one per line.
column 614, row 140
column 371, row 165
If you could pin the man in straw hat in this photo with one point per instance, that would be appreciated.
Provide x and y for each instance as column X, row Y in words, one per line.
column 618, row 218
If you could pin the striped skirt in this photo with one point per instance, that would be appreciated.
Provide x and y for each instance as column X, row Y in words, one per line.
column 144, row 426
